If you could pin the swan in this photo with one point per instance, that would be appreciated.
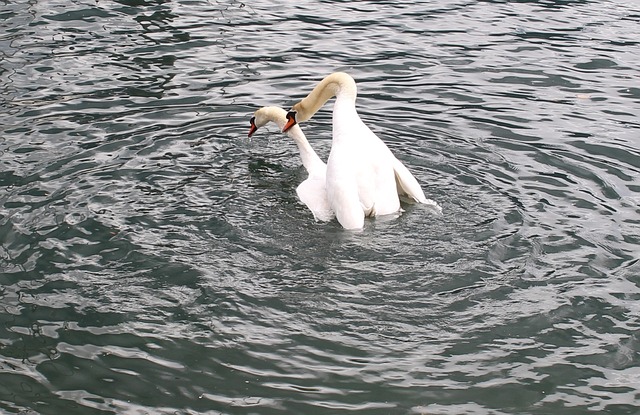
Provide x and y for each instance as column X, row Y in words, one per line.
column 312, row 191
column 363, row 177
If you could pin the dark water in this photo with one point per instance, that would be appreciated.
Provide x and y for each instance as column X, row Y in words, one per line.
column 155, row 261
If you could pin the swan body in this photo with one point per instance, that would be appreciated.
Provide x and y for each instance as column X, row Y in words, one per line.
column 312, row 191
column 363, row 177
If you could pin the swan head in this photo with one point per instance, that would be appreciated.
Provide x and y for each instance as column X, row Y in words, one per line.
column 291, row 121
column 298, row 113
column 265, row 115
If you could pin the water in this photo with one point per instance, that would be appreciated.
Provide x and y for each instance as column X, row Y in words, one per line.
column 154, row 260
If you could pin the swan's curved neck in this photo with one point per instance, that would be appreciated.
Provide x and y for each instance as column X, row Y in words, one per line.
column 338, row 84
column 310, row 159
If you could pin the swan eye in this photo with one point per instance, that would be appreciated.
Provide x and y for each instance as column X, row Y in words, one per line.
column 291, row 115
column 252, row 121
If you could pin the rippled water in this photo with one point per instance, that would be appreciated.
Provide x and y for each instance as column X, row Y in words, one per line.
column 154, row 260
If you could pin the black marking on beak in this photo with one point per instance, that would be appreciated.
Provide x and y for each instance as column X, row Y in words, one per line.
column 253, row 127
column 291, row 121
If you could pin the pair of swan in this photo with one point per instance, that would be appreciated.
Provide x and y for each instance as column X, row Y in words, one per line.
column 362, row 177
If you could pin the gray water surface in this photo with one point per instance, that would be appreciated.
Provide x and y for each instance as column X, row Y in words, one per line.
column 153, row 260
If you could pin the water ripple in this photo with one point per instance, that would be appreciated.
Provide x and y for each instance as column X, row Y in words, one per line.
column 153, row 259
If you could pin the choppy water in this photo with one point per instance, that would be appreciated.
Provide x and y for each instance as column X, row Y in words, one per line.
column 153, row 260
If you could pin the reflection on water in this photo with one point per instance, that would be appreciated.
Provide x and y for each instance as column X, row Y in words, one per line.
column 154, row 260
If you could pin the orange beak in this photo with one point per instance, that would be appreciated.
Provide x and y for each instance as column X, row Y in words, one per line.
column 253, row 128
column 291, row 121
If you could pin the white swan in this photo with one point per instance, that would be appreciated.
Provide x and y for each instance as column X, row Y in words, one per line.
column 312, row 191
column 363, row 177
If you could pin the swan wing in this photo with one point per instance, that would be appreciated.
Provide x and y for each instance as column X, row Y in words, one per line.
column 313, row 193
column 408, row 186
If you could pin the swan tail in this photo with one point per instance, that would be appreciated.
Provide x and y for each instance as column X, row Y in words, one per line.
column 348, row 209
